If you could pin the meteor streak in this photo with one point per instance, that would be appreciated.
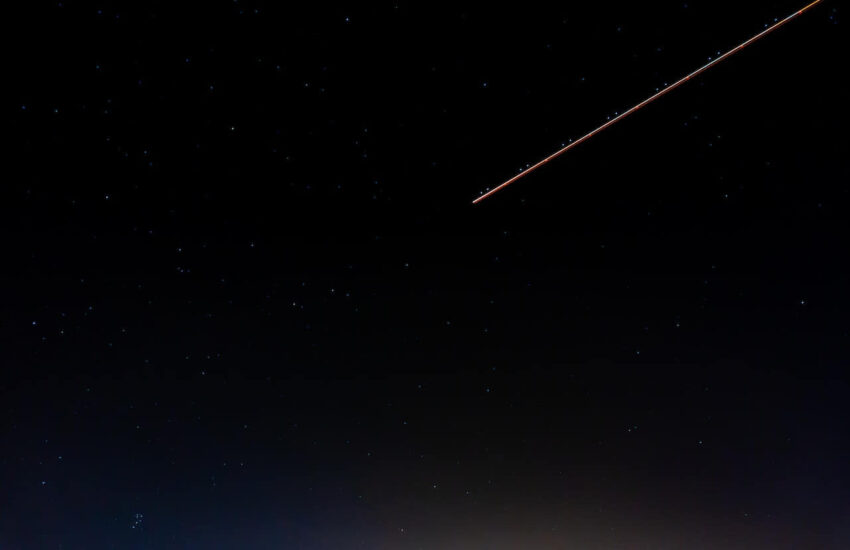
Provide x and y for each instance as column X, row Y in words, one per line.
column 649, row 100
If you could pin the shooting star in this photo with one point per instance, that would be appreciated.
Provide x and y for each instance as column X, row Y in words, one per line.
column 649, row 100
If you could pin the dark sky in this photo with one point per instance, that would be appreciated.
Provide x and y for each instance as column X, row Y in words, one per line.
column 246, row 302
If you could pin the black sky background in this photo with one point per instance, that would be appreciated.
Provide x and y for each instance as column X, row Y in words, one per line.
column 247, row 302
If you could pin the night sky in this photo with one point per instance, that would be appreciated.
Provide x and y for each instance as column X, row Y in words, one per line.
column 247, row 303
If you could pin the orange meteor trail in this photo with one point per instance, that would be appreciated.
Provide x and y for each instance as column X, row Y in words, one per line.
column 649, row 100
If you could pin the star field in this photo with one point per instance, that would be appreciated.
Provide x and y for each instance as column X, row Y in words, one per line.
column 247, row 304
